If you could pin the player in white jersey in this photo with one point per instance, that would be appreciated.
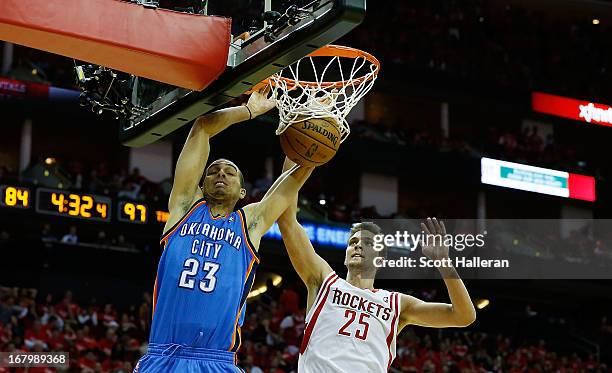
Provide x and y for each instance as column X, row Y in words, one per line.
column 350, row 326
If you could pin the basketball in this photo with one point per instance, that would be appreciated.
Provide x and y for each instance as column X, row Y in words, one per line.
column 311, row 142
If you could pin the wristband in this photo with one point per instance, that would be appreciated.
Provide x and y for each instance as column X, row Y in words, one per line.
column 250, row 113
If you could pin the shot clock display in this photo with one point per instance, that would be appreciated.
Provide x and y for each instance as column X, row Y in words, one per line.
column 76, row 205
column 15, row 196
column 132, row 212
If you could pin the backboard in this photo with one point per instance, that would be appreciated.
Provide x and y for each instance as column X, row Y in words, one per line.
column 288, row 31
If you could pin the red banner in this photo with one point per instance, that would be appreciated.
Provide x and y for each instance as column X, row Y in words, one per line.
column 570, row 108
column 581, row 187
column 11, row 88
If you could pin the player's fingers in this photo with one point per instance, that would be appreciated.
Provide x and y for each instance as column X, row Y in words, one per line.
column 329, row 98
column 424, row 228
column 430, row 226
column 437, row 226
column 265, row 90
column 443, row 227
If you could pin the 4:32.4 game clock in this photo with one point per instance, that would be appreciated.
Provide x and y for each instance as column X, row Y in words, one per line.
column 76, row 205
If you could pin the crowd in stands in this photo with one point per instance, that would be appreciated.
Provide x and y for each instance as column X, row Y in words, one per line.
column 97, row 337
column 526, row 145
column 102, row 179
column 101, row 338
column 99, row 239
column 530, row 147
column 581, row 246
column 509, row 46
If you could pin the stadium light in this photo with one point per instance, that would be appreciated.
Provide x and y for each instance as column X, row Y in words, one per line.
column 482, row 303
column 276, row 281
column 595, row 21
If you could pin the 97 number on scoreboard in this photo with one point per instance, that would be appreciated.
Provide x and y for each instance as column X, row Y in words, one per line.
column 132, row 212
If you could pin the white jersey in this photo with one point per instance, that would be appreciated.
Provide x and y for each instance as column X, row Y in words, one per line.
column 349, row 329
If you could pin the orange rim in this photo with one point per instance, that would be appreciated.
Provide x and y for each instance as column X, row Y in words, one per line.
column 331, row 51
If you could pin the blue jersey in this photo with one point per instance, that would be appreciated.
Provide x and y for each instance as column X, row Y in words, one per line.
column 204, row 275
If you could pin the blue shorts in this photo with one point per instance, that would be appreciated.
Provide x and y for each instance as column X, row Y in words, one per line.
column 169, row 358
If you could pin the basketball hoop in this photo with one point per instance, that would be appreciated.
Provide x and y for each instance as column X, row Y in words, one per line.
column 327, row 83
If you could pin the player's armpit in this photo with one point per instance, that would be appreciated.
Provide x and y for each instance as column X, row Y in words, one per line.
column 180, row 207
column 430, row 314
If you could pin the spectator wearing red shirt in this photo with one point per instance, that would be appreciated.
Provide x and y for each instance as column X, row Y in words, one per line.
column 84, row 340
column 290, row 300
column 67, row 309
column 57, row 341
column 89, row 360
column 109, row 316
column 107, row 344
column 460, row 349
column 292, row 328
column 277, row 316
column 37, row 334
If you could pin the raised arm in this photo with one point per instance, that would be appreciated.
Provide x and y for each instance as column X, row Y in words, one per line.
column 261, row 215
column 311, row 268
column 459, row 313
column 194, row 156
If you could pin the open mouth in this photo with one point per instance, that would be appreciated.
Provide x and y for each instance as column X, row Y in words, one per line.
column 356, row 256
column 219, row 183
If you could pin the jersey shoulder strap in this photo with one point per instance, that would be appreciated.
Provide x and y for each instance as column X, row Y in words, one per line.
column 200, row 202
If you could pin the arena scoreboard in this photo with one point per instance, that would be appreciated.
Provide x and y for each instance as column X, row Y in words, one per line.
column 132, row 212
column 79, row 205
column 15, row 196
column 63, row 203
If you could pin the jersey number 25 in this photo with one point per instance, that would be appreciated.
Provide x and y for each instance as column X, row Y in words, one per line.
column 352, row 315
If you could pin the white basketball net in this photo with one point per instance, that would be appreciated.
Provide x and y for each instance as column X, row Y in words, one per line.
column 299, row 100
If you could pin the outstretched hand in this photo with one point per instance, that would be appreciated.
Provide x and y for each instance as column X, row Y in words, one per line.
column 259, row 103
column 434, row 247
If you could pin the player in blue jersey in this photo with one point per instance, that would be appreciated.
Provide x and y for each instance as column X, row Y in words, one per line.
column 209, row 254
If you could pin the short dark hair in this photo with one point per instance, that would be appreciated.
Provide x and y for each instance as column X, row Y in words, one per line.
column 364, row 226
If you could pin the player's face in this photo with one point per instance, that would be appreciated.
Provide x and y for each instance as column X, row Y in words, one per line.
column 222, row 181
column 360, row 252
